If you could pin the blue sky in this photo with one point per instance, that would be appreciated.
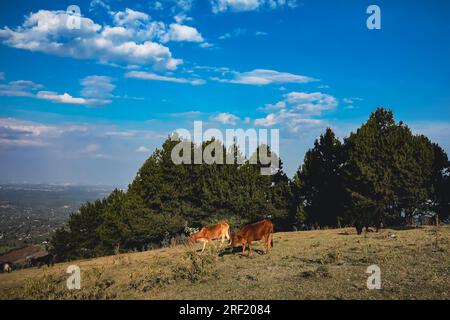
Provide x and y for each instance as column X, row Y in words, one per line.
column 89, row 105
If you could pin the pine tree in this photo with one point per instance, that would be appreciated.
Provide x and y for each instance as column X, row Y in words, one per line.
column 318, row 184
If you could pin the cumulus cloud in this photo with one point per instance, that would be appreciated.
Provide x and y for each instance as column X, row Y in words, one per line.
column 263, row 77
column 130, row 16
column 225, row 118
column 178, row 32
column 153, row 76
column 249, row 5
column 308, row 103
column 267, row 121
column 47, row 32
column 298, row 110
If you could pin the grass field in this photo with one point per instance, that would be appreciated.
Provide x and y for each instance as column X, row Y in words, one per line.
column 325, row 264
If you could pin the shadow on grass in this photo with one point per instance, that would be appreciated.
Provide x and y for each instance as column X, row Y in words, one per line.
column 401, row 228
column 238, row 250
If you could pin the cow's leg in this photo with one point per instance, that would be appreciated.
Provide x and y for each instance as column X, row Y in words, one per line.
column 243, row 248
column 267, row 242
column 204, row 245
column 249, row 248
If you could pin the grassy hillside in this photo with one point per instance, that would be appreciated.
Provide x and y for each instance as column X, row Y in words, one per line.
column 326, row 264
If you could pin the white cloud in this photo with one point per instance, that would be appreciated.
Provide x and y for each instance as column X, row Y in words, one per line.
column 268, row 121
column 130, row 16
column 46, row 31
column 142, row 149
column 178, row 32
column 249, row 5
column 183, row 5
column 152, row 76
column 226, row 118
column 206, row 45
column 96, row 89
column 116, row 33
column 19, row 88
column 263, row 77
column 95, row 4
column 309, row 103
column 14, row 132
column 60, row 98
column 297, row 110
column 235, row 5
column 180, row 18
column 352, row 100
column 85, row 138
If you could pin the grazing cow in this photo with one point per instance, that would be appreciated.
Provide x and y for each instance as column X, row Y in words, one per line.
column 206, row 234
column 48, row 259
column 6, row 267
column 253, row 232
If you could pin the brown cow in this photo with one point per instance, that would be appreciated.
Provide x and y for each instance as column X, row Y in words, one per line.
column 206, row 234
column 254, row 232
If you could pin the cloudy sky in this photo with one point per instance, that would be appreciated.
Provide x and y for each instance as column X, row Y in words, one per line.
column 88, row 105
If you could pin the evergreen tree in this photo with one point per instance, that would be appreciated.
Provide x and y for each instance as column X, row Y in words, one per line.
column 388, row 172
column 318, row 185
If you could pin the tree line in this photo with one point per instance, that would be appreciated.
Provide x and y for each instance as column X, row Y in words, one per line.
column 380, row 175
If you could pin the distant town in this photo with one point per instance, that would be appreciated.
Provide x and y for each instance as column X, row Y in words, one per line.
column 30, row 213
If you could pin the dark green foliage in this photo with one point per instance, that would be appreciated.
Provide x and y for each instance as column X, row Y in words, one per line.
column 318, row 185
column 389, row 172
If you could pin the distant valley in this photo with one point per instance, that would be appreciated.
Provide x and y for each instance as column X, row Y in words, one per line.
column 30, row 213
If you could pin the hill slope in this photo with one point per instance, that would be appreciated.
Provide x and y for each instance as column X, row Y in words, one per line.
column 326, row 264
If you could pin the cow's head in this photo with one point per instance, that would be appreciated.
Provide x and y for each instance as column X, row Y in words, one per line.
column 235, row 239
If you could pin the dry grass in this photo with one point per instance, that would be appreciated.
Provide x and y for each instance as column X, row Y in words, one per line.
column 327, row 264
